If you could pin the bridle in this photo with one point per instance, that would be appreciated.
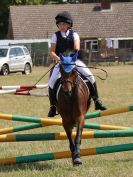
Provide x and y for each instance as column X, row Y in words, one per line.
column 73, row 82
column 67, row 81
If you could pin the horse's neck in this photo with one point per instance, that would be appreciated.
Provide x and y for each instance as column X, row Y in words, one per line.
column 83, row 82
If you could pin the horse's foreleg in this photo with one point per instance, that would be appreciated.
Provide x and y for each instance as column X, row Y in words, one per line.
column 76, row 154
column 68, row 129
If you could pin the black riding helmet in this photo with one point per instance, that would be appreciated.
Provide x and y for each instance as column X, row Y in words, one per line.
column 64, row 17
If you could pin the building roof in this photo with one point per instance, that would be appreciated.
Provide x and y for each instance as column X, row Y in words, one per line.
column 37, row 21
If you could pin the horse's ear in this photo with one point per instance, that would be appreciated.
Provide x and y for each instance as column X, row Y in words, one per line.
column 61, row 57
column 74, row 58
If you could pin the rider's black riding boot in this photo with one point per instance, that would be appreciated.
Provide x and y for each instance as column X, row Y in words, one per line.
column 95, row 97
column 52, row 99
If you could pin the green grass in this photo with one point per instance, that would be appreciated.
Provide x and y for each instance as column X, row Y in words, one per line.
column 116, row 91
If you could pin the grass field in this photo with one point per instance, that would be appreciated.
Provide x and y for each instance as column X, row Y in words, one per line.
column 116, row 91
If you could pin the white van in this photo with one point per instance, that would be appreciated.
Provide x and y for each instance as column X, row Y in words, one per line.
column 15, row 59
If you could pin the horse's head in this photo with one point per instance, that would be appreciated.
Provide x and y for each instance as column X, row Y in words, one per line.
column 68, row 73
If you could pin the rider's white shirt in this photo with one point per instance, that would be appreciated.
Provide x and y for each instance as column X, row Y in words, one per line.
column 64, row 35
column 82, row 69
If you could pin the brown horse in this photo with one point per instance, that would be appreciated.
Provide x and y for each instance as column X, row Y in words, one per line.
column 72, row 104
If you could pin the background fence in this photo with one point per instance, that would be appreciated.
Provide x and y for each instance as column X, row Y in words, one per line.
column 41, row 57
column 39, row 50
column 108, row 55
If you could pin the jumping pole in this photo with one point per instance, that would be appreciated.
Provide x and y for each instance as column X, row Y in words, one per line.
column 66, row 154
column 63, row 136
column 109, row 112
column 20, row 128
column 59, row 121
column 42, row 122
column 24, row 87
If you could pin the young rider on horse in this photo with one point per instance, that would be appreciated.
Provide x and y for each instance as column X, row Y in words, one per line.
column 63, row 40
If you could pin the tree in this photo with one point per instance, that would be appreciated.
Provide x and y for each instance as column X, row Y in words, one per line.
column 4, row 12
column 3, row 18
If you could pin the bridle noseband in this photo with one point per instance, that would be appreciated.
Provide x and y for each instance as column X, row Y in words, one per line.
column 69, row 81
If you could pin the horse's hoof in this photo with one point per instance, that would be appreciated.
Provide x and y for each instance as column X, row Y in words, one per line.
column 77, row 162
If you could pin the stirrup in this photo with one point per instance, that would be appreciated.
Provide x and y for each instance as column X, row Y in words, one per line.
column 99, row 105
column 52, row 111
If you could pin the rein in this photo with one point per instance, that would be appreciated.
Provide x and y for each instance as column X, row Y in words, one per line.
column 106, row 75
column 28, row 89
